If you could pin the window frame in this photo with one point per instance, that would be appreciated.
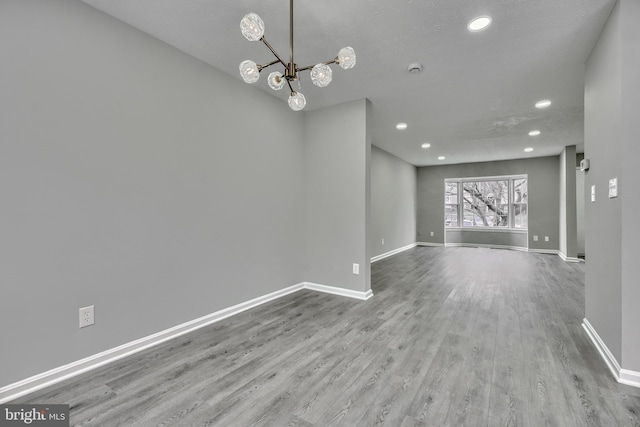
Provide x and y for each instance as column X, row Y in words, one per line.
column 511, row 203
column 457, row 205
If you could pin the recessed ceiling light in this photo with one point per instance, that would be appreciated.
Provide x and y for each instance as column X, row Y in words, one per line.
column 528, row 150
column 401, row 126
column 441, row 158
column 534, row 133
column 479, row 23
column 414, row 68
column 543, row 104
column 426, row 145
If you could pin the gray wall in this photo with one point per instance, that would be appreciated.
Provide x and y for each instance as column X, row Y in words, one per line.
column 337, row 183
column 393, row 202
column 568, row 214
column 603, row 114
column 511, row 239
column 612, row 96
column 544, row 197
column 133, row 177
column 630, row 183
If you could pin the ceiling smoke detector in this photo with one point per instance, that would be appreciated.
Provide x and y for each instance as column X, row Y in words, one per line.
column 414, row 68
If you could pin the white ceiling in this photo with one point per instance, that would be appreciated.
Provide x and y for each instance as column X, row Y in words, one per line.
column 475, row 99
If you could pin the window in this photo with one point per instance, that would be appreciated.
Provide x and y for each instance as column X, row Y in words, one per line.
column 493, row 202
column 451, row 204
column 486, row 203
column 520, row 194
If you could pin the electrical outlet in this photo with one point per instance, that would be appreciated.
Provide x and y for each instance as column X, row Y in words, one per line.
column 546, row 238
column 356, row 268
column 431, row 234
column 535, row 238
column 383, row 241
column 87, row 317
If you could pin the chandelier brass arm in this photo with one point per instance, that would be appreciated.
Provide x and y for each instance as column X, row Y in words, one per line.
column 266, row 43
column 261, row 67
column 309, row 67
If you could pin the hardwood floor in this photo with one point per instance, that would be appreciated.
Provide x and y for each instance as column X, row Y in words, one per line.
column 452, row 337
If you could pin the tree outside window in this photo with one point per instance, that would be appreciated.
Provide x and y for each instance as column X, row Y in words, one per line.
column 486, row 203
column 498, row 202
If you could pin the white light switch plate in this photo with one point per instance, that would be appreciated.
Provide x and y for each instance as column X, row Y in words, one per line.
column 613, row 188
column 593, row 193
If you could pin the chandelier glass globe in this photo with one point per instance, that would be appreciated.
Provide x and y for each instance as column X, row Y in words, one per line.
column 321, row 75
column 249, row 71
column 276, row 80
column 297, row 101
column 252, row 27
column 347, row 57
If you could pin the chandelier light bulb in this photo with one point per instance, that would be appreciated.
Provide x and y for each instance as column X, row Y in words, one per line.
column 347, row 57
column 252, row 27
column 249, row 71
column 276, row 81
column 321, row 75
column 297, row 101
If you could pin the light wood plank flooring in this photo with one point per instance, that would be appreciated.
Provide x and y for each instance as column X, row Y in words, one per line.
column 452, row 337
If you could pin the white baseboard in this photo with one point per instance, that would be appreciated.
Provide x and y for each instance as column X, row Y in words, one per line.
column 338, row 291
column 481, row 245
column 555, row 252
column 623, row 376
column 53, row 376
column 513, row 248
column 393, row 252
column 429, row 244
column 568, row 258
column 609, row 359
column 545, row 251
column 628, row 377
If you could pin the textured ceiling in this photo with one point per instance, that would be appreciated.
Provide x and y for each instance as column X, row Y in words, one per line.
column 475, row 99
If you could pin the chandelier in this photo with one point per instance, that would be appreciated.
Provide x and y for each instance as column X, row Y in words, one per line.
column 252, row 28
